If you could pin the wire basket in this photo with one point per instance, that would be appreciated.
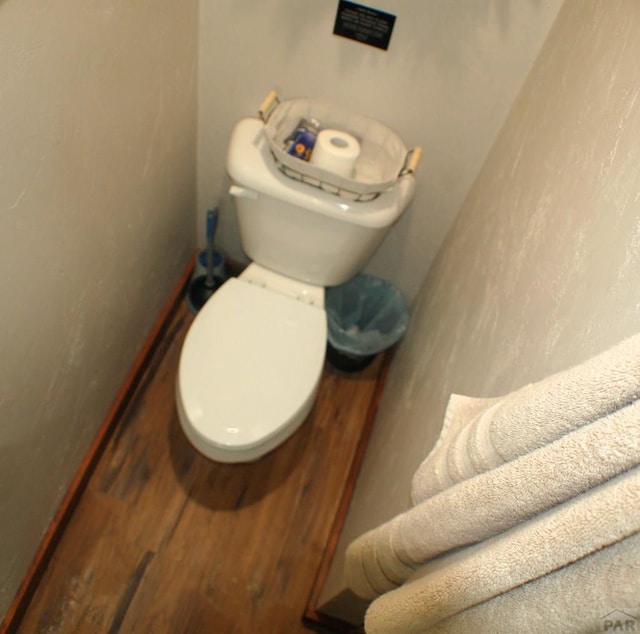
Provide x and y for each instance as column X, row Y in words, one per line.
column 383, row 157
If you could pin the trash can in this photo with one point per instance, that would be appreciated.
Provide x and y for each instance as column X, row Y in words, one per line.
column 365, row 316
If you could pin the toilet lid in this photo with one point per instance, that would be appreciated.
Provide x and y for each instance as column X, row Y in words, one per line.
column 251, row 360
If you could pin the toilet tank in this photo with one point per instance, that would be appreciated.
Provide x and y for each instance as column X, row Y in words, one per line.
column 298, row 230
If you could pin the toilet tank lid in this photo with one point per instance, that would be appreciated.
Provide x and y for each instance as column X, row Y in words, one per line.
column 249, row 362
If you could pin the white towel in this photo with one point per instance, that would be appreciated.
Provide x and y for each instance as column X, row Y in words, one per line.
column 479, row 435
column 601, row 517
column 480, row 507
column 599, row 593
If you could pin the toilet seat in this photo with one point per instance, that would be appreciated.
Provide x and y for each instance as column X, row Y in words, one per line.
column 249, row 370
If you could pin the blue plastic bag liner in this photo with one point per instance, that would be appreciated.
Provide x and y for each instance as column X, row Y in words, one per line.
column 365, row 315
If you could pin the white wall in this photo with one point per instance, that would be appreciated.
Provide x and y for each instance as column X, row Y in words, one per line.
column 97, row 200
column 542, row 267
column 446, row 83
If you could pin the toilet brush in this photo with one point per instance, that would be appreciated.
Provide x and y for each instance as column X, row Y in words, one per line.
column 203, row 287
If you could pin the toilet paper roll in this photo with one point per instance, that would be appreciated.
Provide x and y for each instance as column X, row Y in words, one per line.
column 336, row 152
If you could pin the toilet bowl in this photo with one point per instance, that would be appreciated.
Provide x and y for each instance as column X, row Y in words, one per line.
column 250, row 365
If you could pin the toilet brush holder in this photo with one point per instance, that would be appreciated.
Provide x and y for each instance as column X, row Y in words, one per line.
column 203, row 286
column 219, row 268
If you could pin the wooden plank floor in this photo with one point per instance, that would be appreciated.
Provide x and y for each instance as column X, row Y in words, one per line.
column 164, row 540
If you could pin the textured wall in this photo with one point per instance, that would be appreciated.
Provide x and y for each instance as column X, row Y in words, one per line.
column 97, row 199
column 447, row 82
column 542, row 267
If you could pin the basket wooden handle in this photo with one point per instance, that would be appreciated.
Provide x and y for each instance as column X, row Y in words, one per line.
column 268, row 105
column 411, row 161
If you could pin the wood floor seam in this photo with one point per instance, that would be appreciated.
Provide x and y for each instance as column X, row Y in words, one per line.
column 129, row 593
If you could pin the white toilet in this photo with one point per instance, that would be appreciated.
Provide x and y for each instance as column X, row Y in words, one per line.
column 252, row 359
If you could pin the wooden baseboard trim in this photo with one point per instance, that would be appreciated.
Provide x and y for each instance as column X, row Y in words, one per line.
column 311, row 616
column 60, row 520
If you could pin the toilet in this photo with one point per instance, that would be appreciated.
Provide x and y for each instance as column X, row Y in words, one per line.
column 252, row 359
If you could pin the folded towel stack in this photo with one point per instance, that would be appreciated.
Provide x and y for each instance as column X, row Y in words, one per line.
column 515, row 489
column 481, row 434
